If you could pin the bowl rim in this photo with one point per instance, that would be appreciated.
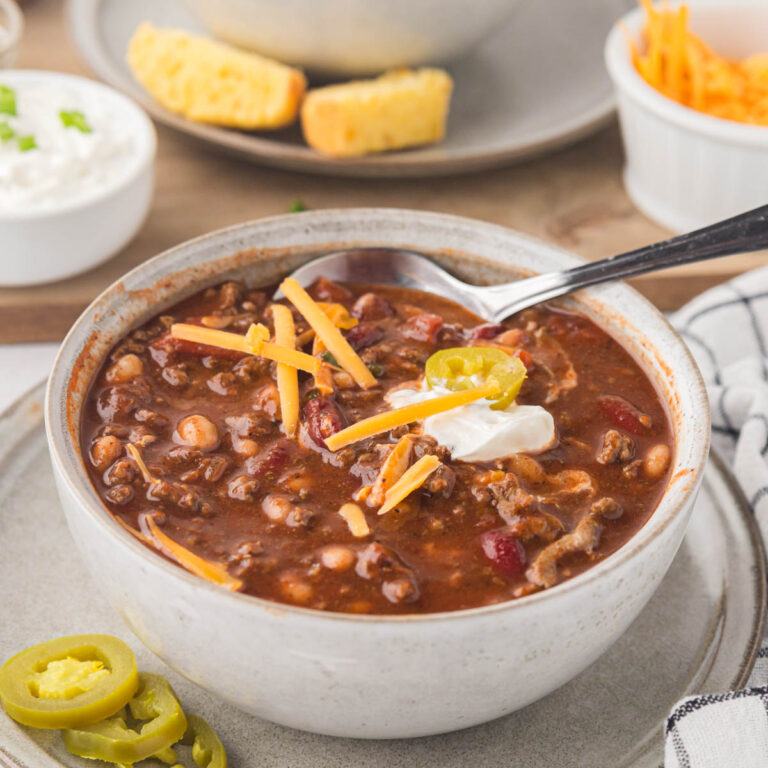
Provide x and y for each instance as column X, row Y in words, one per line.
column 629, row 82
column 145, row 147
column 14, row 25
column 65, row 455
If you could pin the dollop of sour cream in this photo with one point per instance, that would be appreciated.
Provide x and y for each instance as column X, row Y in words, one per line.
column 66, row 165
column 475, row 432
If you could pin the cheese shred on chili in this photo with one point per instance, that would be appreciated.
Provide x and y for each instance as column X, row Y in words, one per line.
column 328, row 333
column 383, row 422
column 413, row 478
column 287, row 376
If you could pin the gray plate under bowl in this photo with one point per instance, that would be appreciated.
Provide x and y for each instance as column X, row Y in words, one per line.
column 700, row 632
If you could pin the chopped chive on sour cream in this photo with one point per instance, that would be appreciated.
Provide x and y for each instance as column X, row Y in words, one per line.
column 58, row 145
column 74, row 119
column 26, row 143
column 7, row 100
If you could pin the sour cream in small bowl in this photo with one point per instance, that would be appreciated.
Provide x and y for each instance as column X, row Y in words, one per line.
column 76, row 174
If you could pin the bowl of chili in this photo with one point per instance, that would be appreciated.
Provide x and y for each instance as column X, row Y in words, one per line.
column 456, row 605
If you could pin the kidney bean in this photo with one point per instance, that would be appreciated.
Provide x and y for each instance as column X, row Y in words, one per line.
column 275, row 457
column 326, row 290
column 622, row 414
column 504, row 551
column 423, row 327
column 371, row 306
column 364, row 335
column 323, row 418
column 486, row 331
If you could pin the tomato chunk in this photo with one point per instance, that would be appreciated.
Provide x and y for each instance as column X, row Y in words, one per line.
column 423, row 327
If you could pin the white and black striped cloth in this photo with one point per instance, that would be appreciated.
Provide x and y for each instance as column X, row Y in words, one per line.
column 727, row 330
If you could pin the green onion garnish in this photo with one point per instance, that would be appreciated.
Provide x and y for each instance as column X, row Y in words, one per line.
column 376, row 370
column 329, row 358
column 75, row 120
column 6, row 132
column 26, row 143
column 7, row 100
column 297, row 206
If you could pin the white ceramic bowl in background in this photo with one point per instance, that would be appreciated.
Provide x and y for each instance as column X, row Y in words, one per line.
column 370, row 676
column 686, row 169
column 11, row 29
column 48, row 244
column 354, row 37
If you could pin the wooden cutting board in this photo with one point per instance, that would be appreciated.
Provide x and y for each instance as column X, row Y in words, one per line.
column 573, row 198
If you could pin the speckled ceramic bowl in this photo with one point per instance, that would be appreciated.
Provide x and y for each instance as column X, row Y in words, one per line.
column 370, row 676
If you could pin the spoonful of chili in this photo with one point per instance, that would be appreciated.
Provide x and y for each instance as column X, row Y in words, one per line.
column 740, row 234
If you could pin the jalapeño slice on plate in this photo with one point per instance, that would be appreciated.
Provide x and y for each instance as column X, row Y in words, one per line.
column 69, row 682
column 113, row 740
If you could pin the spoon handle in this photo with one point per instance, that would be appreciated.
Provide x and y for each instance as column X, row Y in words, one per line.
column 739, row 234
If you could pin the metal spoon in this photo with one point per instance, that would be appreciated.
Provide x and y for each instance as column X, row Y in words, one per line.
column 740, row 234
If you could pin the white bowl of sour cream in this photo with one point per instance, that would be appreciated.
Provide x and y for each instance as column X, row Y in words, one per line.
column 76, row 174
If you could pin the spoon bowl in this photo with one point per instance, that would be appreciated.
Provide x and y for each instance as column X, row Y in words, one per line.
column 394, row 266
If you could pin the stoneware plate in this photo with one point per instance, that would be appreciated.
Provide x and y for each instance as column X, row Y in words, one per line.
column 700, row 632
column 537, row 84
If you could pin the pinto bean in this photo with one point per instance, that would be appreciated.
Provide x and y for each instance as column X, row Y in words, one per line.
column 125, row 368
column 657, row 460
column 338, row 558
column 294, row 589
column 197, row 431
column 105, row 451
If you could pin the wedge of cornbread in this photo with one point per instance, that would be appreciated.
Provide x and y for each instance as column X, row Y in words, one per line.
column 211, row 82
column 399, row 109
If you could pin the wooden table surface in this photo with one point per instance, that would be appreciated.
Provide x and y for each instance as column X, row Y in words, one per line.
column 573, row 198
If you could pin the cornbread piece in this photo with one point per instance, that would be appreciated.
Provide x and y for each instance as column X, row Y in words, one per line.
column 399, row 109
column 214, row 83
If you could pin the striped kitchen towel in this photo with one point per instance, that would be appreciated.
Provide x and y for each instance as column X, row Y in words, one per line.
column 727, row 330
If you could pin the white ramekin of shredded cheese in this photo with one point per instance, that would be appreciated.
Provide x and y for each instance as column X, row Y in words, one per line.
column 76, row 174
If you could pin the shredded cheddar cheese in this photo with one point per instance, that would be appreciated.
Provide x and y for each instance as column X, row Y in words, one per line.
column 250, row 344
column 683, row 67
column 362, row 493
column 205, row 569
column 391, row 471
column 287, row 376
column 212, row 337
column 328, row 333
column 355, row 519
column 413, row 478
column 135, row 454
column 383, row 422
column 136, row 534
column 338, row 315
